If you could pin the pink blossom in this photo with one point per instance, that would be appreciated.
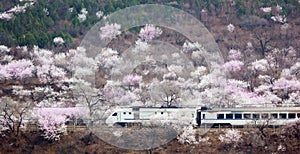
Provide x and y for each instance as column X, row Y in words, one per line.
column 3, row 73
column 46, row 73
column 149, row 32
column 132, row 79
column 111, row 93
column 52, row 120
column 284, row 84
column 17, row 69
column 234, row 54
column 233, row 66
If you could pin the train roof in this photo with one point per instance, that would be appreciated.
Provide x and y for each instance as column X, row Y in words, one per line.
column 162, row 107
column 252, row 109
column 237, row 109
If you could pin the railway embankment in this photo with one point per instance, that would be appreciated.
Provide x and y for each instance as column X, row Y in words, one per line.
column 80, row 140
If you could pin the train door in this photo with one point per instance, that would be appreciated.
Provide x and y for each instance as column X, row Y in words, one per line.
column 136, row 113
column 198, row 118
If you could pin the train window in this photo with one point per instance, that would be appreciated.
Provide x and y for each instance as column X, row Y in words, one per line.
column 264, row 115
column 282, row 115
column 203, row 116
column 298, row 115
column 229, row 116
column 238, row 116
column 161, row 112
column 255, row 116
column 292, row 115
column 220, row 116
column 247, row 116
column 129, row 112
column 124, row 112
column 115, row 114
column 155, row 112
column 274, row 115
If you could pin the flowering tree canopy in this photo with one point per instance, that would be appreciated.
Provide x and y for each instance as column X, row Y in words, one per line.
column 110, row 31
column 149, row 32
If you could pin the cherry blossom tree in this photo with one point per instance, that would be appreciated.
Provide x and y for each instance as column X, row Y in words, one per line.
column 110, row 31
column 231, row 137
column 233, row 66
column 81, row 65
column 52, row 121
column 106, row 60
column 58, row 40
column 82, row 16
column 149, row 32
column 132, row 80
column 17, row 69
column 187, row 136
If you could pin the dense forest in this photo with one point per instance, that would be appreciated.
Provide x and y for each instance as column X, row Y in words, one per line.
column 45, row 19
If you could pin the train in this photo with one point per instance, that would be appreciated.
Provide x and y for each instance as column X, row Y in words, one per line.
column 205, row 116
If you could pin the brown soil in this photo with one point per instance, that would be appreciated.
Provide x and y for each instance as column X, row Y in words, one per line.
column 81, row 142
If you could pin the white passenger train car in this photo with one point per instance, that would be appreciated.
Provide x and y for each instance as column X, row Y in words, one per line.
column 274, row 116
column 146, row 115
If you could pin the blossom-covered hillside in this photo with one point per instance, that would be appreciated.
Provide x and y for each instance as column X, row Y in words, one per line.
column 50, row 81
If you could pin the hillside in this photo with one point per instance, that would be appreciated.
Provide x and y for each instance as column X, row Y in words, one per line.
column 48, row 81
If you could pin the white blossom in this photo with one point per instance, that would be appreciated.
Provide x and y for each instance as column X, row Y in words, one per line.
column 175, row 68
column 110, row 31
column 4, row 48
column 281, row 148
column 261, row 65
column 279, row 18
column 99, row 14
column 82, row 15
column 187, row 136
column 6, row 16
column 149, row 32
column 231, row 136
column 107, row 58
column 266, row 9
column 46, row 11
column 141, row 46
column 203, row 140
column 295, row 69
column 58, row 40
column 230, row 28
column 200, row 71
column 189, row 46
column 71, row 9
column 249, row 45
